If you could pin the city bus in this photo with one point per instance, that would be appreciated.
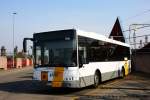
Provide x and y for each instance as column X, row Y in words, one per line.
column 73, row 58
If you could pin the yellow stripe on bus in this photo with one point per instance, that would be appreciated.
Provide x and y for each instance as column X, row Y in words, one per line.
column 58, row 77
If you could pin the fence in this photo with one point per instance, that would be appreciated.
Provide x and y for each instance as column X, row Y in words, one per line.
column 7, row 62
column 3, row 63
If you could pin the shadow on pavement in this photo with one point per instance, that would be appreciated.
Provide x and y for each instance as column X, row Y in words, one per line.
column 29, row 86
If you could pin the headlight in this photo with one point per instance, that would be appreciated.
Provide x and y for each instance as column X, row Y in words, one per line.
column 69, row 78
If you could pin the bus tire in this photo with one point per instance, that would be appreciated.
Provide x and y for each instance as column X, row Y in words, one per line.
column 96, row 79
column 122, row 73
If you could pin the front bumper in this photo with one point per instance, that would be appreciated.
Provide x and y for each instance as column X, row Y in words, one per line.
column 63, row 84
column 69, row 84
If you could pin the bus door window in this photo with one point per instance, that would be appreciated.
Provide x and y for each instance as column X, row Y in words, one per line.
column 74, row 57
column 46, row 56
column 51, row 56
column 38, row 55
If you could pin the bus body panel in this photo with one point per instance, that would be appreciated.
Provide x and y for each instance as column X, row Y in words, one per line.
column 81, row 77
column 108, row 70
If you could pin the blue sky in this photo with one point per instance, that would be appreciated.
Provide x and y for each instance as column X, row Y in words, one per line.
column 46, row 15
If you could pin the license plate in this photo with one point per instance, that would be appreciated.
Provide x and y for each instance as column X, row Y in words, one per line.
column 44, row 76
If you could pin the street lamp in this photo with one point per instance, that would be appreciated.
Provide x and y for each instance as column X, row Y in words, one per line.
column 13, row 15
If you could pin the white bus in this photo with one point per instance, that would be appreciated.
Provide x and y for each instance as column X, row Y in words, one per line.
column 75, row 59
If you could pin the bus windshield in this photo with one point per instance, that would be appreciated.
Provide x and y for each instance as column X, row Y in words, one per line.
column 56, row 53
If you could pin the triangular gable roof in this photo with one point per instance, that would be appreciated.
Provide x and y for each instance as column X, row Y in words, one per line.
column 116, row 32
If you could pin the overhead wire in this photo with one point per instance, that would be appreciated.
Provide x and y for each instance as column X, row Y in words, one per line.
column 139, row 14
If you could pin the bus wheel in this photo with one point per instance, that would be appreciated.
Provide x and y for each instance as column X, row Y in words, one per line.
column 122, row 73
column 96, row 79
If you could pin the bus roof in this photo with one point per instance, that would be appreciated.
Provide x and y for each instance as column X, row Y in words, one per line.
column 100, row 37
column 92, row 35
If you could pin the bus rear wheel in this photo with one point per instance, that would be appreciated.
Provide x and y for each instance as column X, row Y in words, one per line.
column 122, row 73
column 96, row 79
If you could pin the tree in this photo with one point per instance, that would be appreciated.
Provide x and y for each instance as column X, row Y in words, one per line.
column 3, row 51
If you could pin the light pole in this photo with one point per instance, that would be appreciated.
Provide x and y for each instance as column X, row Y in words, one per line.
column 13, row 15
column 129, row 33
column 134, row 39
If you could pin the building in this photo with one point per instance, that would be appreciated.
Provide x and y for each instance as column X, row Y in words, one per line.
column 141, row 59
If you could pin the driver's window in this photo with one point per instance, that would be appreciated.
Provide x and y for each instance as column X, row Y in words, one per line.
column 82, row 54
column 82, row 49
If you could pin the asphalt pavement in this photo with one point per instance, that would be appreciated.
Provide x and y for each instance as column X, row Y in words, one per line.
column 18, row 85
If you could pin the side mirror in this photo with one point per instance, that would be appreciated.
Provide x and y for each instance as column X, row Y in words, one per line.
column 25, row 43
